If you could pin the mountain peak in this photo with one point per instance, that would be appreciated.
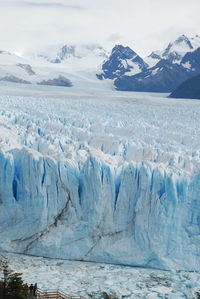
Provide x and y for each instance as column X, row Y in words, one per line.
column 123, row 60
column 175, row 50
column 66, row 51
column 121, row 50
column 181, row 45
column 182, row 38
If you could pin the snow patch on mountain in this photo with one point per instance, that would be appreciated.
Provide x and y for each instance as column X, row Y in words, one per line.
column 72, row 56
column 175, row 51
column 123, row 60
column 7, row 58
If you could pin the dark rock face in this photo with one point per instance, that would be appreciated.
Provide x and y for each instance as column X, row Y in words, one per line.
column 190, row 89
column 177, row 63
column 60, row 81
column 122, row 60
column 14, row 79
column 163, row 77
column 155, row 55
column 27, row 68
column 192, row 59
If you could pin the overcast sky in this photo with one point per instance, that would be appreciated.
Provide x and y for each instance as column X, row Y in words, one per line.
column 145, row 25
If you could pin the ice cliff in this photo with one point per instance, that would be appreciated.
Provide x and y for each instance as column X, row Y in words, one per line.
column 81, row 181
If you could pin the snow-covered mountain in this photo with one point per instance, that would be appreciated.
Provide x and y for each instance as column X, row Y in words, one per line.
column 54, row 62
column 7, row 58
column 175, row 51
column 162, row 71
column 14, row 68
column 191, row 61
column 122, row 61
column 163, row 77
column 58, row 54
column 73, row 57
column 167, row 69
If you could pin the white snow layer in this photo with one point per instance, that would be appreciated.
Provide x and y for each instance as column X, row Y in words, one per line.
column 101, row 176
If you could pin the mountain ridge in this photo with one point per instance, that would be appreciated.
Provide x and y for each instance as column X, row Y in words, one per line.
column 161, row 71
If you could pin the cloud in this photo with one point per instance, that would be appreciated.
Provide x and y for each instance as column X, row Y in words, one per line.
column 53, row 4
column 114, row 37
column 144, row 25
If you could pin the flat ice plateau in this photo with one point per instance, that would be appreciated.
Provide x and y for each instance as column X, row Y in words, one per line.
column 84, row 278
column 100, row 176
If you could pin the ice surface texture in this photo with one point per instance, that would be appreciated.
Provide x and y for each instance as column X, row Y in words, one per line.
column 109, row 178
column 83, row 278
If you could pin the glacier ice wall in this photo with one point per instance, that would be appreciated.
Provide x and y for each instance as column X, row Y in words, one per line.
column 140, row 216
column 69, row 190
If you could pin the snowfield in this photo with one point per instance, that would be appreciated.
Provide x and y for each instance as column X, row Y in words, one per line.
column 100, row 176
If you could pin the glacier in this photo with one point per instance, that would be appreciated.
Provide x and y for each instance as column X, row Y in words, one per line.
column 86, row 278
column 105, row 177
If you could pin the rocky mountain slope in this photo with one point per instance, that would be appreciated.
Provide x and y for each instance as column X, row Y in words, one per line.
column 122, row 61
column 163, row 77
column 175, row 50
column 162, row 71
column 190, row 89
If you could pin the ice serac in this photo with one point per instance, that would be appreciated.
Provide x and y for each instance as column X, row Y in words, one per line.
column 135, row 215
column 110, row 178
